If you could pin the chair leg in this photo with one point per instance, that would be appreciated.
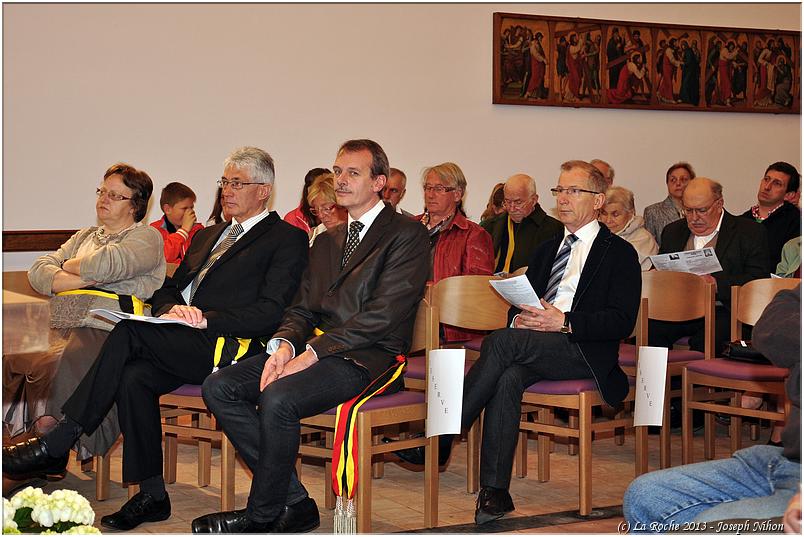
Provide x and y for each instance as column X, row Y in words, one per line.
column 431, row 483
column 640, row 450
column 544, row 441
column 686, row 421
column 171, row 449
column 329, row 494
column 473, row 456
column 102, row 475
column 228, row 456
column 364, row 473
column 572, row 420
column 735, row 425
column 204, row 452
column 664, row 430
column 86, row 465
column 585, row 455
column 521, row 455
column 378, row 468
column 709, row 435
column 133, row 489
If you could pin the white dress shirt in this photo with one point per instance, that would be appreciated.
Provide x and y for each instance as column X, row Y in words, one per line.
column 700, row 242
column 572, row 273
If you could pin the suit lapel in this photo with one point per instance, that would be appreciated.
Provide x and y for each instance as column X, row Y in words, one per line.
column 593, row 261
column 197, row 261
column 365, row 247
column 725, row 235
column 247, row 238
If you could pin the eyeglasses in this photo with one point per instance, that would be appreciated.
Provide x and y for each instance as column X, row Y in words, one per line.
column 438, row 189
column 236, row 185
column 329, row 209
column 572, row 191
column 514, row 204
column 114, row 196
column 700, row 211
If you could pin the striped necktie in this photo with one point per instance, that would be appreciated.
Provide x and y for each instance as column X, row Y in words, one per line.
column 219, row 250
column 559, row 265
column 352, row 241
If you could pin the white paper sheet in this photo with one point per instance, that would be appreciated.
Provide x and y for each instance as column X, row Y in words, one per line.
column 698, row 262
column 116, row 316
column 517, row 291
column 650, row 382
column 445, row 392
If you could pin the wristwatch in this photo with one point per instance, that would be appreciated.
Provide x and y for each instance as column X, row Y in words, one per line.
column 565, row 329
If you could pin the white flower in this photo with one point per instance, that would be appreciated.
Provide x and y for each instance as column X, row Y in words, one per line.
column 27, row 497
column 8, row 516
column 83, row 530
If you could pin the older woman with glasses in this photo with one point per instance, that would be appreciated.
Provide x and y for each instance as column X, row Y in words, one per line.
column 457, row 245
column 619, row 215
column 323, row 205
column 117, row 266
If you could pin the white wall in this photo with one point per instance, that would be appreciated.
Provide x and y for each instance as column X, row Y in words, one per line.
column 173, row 88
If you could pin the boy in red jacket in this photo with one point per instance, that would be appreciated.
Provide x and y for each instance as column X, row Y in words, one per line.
column 178, row 225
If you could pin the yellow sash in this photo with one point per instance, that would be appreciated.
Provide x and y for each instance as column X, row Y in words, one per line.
column 138, row 305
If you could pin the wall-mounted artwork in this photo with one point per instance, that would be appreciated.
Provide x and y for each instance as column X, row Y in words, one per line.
column 558, row 61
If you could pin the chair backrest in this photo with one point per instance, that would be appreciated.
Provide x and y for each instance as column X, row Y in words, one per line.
column 677, row 296
column 750, row 300
column 423, row 328
column 469, row 302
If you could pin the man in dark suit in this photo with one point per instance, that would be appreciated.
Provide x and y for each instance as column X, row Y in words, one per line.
column 232, row 288
column 352, row 317
column 589, row 280
column 741, row 247
column 781, row 219
column 517, row 232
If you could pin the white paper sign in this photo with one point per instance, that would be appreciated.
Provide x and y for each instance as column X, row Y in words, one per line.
column 445, row 392
column 116, row 316
column 517, row 291
column 650, row 382
column 698, row 262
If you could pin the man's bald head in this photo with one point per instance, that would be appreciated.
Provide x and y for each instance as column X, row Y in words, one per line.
column 520, row 196
column 703, row 205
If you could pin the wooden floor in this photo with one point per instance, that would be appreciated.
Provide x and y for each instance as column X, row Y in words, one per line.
column 398, row 497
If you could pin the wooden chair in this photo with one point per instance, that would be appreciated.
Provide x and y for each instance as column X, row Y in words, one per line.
column 382, row 412
column 466, row 302
column 672, row 296
column 717, row 386
column 187, row 400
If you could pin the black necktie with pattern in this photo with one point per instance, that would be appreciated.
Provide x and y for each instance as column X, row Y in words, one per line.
column 352, row 241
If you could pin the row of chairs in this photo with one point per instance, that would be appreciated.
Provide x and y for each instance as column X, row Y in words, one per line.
column 469, row 302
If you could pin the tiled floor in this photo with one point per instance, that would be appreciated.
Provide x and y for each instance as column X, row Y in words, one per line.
column 398, row 499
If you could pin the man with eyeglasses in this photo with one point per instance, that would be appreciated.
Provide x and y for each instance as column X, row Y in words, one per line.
column 589, row 283
column 395, row 190
column 230, row 290
column 741, row 247
column 517, row 232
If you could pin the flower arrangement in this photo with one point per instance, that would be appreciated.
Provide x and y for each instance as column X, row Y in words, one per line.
column 62, row 511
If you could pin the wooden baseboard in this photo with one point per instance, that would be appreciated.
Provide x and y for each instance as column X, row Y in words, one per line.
column 45, row 240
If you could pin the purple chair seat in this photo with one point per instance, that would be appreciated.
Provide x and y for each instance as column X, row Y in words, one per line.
column 732, row 369
column 387, row 401
column 566, row 387
column 415, row 369
column 474, row 344
column 188, row 390
column 628, row 355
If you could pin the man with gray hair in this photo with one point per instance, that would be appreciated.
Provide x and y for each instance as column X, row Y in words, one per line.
column 395, row 190
column 606, row 169
column 229, row 291
column 741, row 246
column 518, row 231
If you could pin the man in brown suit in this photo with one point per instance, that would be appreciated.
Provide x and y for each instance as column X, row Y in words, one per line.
column 352, row 316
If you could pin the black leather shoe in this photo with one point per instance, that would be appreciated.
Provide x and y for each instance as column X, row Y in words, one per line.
column 416, row 455
column 228, row 522
column 31, row 459
column 300, row 517
column 140, row 508
column 492, row 504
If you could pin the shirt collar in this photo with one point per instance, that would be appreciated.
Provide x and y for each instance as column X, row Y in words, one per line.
column 369, row 216
column 587, row 233
column 249, row 223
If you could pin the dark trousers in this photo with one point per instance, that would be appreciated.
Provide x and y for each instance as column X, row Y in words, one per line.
column 264, row 426
column 665, row 333
column 138, row 363
column 512, row 359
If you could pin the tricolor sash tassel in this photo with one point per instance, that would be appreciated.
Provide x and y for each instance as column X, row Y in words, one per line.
column 344, row 449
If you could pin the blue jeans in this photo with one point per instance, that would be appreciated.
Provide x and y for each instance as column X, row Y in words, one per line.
column 754, row 483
